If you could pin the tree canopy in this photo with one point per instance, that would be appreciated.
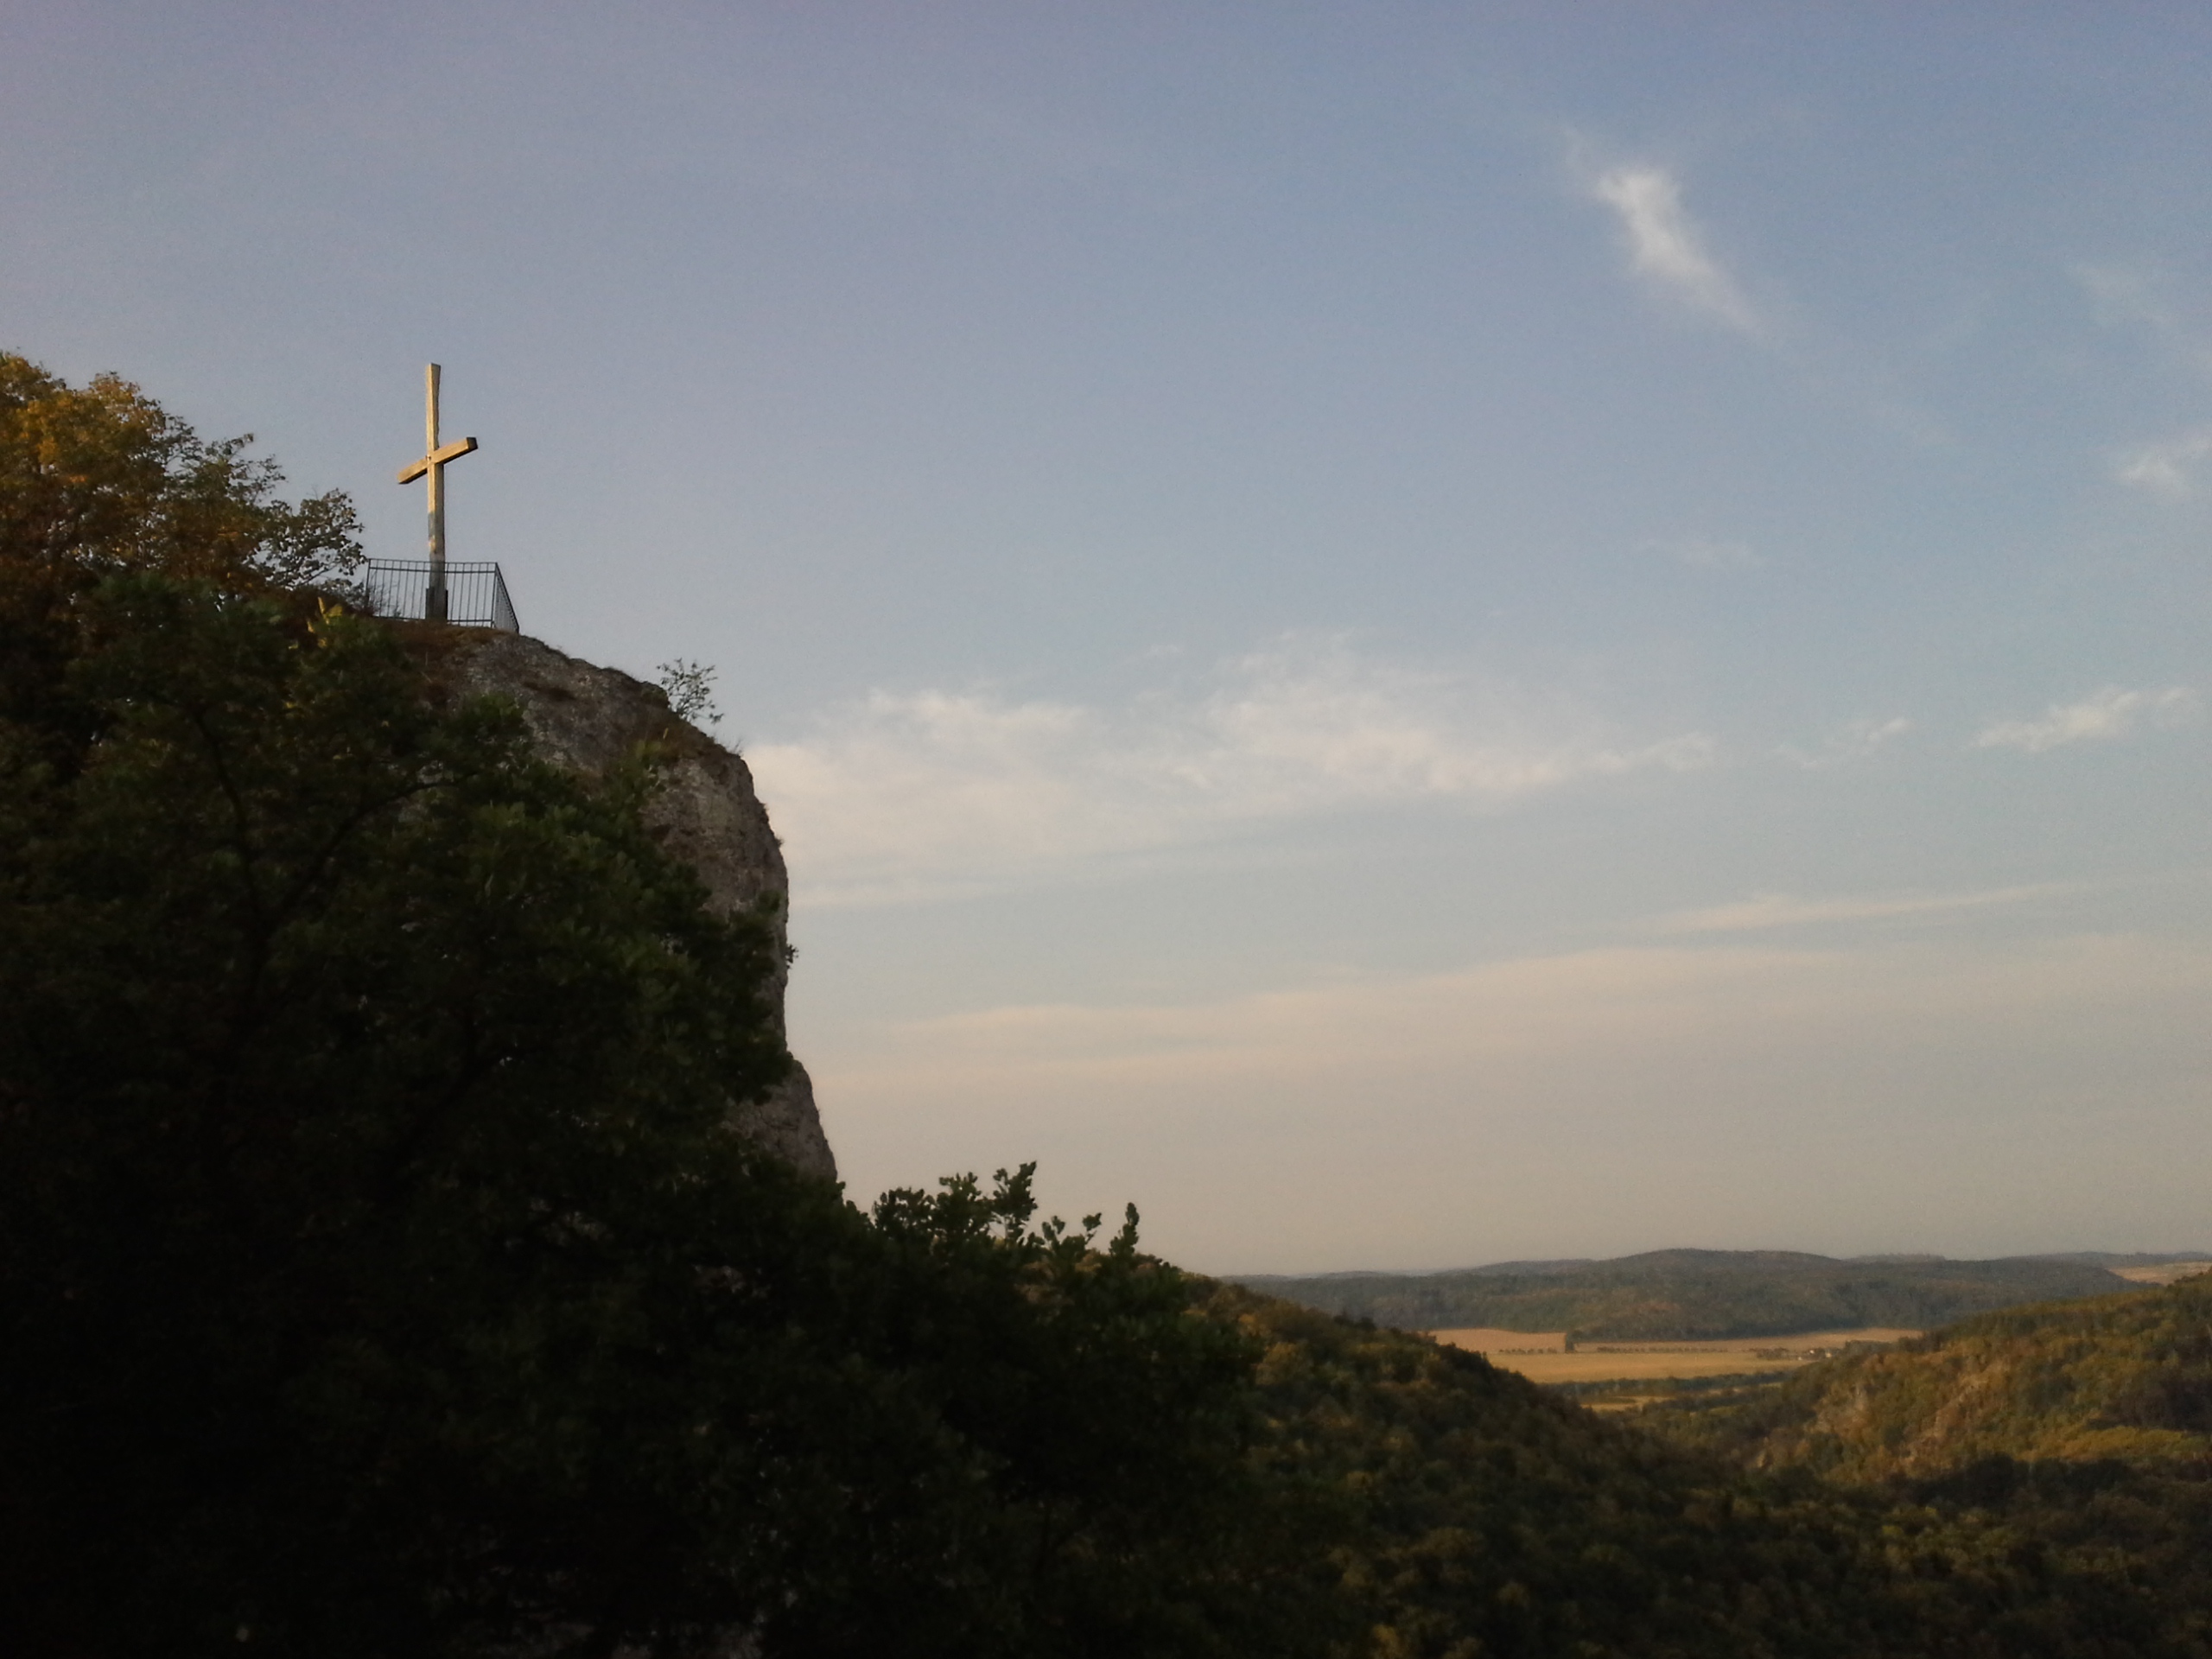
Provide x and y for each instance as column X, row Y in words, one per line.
column 98, row 481
column 378, row 1271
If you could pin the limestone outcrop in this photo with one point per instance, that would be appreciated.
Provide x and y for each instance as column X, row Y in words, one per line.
column 706, row 813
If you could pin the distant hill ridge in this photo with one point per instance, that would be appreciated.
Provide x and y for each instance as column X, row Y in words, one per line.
column 1693, row 1295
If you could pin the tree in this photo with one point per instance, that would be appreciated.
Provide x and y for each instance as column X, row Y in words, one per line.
column 378, row 1271
column 99, row 480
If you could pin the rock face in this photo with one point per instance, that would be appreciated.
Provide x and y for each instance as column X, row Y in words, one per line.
column 588, row 718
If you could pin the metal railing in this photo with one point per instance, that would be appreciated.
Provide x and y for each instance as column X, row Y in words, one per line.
column 473, row 595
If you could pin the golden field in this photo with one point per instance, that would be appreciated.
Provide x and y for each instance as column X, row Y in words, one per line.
column 2165, row 1273
column 1541, row 1357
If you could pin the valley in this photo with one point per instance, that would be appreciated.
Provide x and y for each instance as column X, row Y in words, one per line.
column 1711, row 1296
column 1548, row 1358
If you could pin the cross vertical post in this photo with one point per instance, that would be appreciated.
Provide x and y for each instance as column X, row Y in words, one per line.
column 433, row 463
column 434, row 602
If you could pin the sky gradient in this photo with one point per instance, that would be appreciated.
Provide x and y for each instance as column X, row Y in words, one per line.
column 1410, row 634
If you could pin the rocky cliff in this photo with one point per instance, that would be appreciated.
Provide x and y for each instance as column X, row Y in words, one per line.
column 705, row 812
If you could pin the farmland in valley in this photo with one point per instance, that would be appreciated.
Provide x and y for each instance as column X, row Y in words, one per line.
column 1545, row 1357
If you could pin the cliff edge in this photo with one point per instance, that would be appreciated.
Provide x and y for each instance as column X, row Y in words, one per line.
column 705, row 812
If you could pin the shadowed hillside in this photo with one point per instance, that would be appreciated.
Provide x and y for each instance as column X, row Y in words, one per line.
column 1691, row 1296
column 2077, row 1433
column 1469, row 1511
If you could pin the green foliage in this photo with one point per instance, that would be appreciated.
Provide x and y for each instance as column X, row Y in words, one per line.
column 1101, row 1403
column 1475, row 1513
column 2126, row 1379
column 379, row 1272
column 2077, row 1438
column 690, row 688
column 99, row 480
column 1696, row 1296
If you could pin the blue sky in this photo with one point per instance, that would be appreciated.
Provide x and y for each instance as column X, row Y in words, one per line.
column 1409, row 633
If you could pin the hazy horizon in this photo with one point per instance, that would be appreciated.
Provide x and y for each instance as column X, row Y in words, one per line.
column 1410, row 635
column 2151, row 1257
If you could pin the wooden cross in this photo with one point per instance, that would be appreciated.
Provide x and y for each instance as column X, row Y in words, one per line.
column 434, row 462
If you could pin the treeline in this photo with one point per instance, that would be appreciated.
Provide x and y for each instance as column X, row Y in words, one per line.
column 1693, row 1295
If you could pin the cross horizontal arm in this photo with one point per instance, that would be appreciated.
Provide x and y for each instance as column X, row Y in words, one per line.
column 436, row 458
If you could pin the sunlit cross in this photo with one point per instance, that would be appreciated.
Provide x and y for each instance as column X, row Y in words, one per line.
column 434, row 462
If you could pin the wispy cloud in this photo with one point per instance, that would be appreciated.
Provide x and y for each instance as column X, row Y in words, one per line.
column 2167, row 468
column 1681, row 993
column 1667, row 248
column 2123, row 292
column 1705, row 552
column 1853, row 741
column 903, row 793
column 2144, row 294
column 2112, row 712
column 1773, row 909
column 2140, row 296
column 1671, row 251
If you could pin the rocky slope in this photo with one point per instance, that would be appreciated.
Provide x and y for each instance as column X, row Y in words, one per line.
column 706, row 813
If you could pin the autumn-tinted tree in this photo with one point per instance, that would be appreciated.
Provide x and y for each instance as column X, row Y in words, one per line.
column 99, row 480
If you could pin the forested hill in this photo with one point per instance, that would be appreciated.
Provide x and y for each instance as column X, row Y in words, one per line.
column 1468, row 1511
column 2124, row 1379
column 2079, row 1434
column 1689, row 1295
